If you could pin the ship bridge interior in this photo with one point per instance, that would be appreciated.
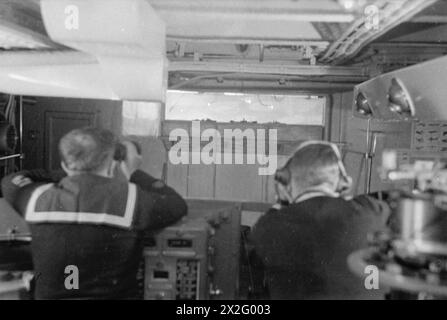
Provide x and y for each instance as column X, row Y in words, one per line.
column 217, row 97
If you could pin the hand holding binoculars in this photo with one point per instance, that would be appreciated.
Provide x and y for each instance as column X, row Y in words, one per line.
column 121, row 151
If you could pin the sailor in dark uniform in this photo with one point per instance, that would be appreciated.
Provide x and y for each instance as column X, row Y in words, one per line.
column 304, row 241
column 91, row 220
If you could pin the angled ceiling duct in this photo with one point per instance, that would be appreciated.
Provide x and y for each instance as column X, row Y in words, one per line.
column 55, row 74
column 121, row 53
column 377, row 18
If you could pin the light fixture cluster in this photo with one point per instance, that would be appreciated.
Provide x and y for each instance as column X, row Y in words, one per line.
column 398, row 101
column 362, row 105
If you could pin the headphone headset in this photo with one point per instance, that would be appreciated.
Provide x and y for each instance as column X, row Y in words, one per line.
column 283, row 174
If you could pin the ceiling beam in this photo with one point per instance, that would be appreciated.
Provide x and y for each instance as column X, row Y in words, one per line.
column 250, row 41
column 273, row 69
column 429, row 19
column 268, row 10
column 291, row 86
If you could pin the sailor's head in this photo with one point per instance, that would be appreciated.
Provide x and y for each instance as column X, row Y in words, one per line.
column 315, row 166
column 88, row 150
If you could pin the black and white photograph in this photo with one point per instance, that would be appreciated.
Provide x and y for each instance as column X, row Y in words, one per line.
column 223, row 155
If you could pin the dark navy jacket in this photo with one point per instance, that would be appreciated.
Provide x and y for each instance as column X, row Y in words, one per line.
column 93, row 223
column 304, row 247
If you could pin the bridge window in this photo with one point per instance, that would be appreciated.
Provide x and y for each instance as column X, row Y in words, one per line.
column 237, row 107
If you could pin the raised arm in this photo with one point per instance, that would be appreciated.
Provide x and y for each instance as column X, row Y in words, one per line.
column 158, row 205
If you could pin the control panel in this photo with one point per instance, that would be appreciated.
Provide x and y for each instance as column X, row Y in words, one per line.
column 178, row 263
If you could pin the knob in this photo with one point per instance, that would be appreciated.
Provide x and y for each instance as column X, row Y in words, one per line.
column 215, row 291
column 159, row 296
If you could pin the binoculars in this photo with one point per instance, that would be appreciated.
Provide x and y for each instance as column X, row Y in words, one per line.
column 121, row 151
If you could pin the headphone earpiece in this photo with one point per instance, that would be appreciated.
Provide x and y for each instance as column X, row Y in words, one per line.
column 282, row 176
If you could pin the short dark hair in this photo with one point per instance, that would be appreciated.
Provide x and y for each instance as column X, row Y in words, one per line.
column 87, row 149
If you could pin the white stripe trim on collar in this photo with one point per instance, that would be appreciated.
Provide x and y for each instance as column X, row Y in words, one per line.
column 317, row 192
column 81, row 217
